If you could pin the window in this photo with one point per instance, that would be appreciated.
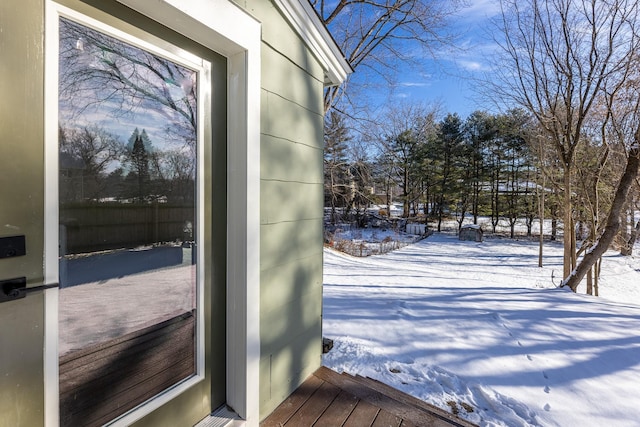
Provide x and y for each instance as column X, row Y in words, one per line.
column 129, row 186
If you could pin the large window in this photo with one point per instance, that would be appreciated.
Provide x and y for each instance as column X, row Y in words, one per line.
column 129, row 220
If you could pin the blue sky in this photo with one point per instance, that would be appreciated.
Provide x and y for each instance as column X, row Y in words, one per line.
column 449, row 80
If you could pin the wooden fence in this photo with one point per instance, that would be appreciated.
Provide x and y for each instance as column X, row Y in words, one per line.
column 102, row 226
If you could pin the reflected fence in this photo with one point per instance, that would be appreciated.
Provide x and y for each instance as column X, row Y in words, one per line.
column 90, row 227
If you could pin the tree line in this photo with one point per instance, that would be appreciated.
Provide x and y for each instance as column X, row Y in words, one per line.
column 438, row 168
column 96, row 165
column 572, row 65
column 500, row 166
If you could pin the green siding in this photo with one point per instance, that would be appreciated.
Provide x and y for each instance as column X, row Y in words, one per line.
column 278, row 34
column 305, row 272
column 289, row 81
column 284, row 201
column 285, row 119
column 284, row 370
column 22, row 134
column 303, row 162
column 22, row 209
column 21, row 370
column 291, row 208
column 281, row 332
column 288, row 242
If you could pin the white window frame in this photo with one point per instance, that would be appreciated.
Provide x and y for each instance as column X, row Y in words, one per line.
column 226, row 29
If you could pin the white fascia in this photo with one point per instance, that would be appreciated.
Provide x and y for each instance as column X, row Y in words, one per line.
column 312, row 30
column 226, row 29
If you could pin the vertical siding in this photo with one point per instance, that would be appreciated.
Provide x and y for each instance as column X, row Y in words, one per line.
column 291, row 209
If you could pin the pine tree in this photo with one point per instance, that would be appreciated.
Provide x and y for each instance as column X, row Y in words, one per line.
column 140, row 164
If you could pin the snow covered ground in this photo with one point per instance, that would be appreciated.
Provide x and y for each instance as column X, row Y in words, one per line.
column 479, row 329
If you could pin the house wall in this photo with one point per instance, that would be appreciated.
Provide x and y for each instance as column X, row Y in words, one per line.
column 291, row 200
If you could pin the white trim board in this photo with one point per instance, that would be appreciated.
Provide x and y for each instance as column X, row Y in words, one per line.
column 304, row 19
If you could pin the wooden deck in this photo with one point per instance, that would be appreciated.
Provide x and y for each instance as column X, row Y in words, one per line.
column 330, row 399
column 103, row 381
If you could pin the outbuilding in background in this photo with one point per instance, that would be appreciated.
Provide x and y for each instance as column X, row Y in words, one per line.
column 471, row 232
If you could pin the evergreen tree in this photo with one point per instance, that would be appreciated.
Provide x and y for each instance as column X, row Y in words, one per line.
column 479, row 130
column 140, row 165
column 449, row 145
column 132, row 139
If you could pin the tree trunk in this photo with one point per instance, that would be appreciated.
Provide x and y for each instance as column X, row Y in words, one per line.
column 574, row 249
column 389, row 199
column 627, row 249
column 590, row 281
column 597, row 276
column 566, row 259
column 613, row 220
column 541, row 216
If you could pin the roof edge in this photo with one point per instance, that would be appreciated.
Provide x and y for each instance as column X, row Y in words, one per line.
column 305, row 21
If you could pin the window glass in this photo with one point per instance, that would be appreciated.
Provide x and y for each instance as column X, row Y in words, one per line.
column 128, row 224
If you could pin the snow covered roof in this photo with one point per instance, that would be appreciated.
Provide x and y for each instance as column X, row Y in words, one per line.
column 473, row 226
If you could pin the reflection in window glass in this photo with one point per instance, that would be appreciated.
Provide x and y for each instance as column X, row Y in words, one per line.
column 127, row 206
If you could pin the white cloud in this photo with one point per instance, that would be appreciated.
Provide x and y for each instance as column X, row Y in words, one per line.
column 479, row 10
column 471, row 65
column 415, row 84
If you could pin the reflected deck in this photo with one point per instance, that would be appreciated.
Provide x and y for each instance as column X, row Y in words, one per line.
column 106, row 380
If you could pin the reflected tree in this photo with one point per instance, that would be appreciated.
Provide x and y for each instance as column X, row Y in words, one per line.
column 140, row 166
column 85, row 154
column 99, row 69
column 112, row 82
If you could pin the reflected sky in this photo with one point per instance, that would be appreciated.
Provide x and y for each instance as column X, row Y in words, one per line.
column 114, row 85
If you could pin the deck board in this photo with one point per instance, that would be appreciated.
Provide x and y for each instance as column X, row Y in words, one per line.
column 292, row 404
column 329, row 399
column 339, row 411
column 386, row 419
column 315, row 406
column 103, row 381
column 363, row 415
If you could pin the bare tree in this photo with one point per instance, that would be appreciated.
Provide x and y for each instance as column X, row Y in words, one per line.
column 559, row 56
column 613, row 219
column 621, row 129
column 99, row 69
column 627, row 247
column 337, row 179
column 377, row 35
column 85, row 156
column 402, row 136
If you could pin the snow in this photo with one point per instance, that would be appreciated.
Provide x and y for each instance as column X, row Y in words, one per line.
column 121, row 292
column 472, row 226
column 480, row 327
